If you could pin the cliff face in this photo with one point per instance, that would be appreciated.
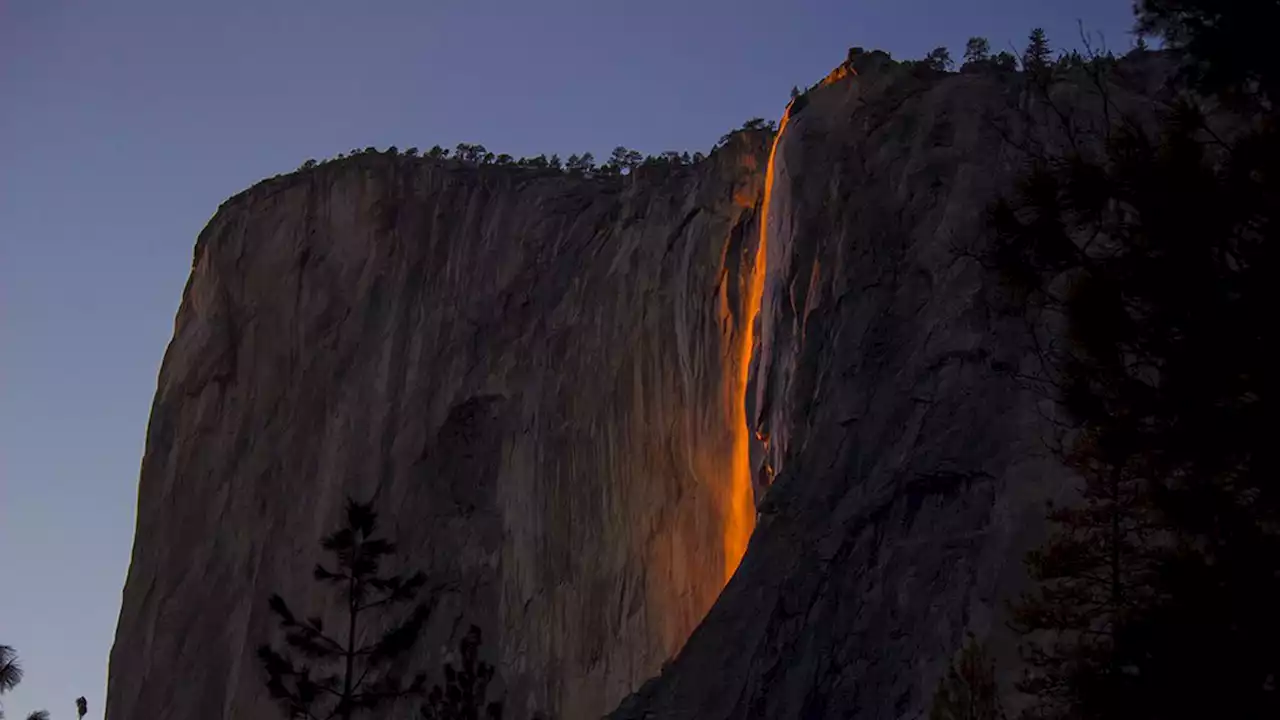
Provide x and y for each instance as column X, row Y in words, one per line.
column 543, row 384
column 536, row 379
column 906, row 457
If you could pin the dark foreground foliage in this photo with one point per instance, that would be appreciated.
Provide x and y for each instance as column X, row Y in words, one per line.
column 321, row 674
column 1155, row 597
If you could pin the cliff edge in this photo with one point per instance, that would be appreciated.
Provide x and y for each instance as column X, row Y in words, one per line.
column 534, row 376
column 559, row 393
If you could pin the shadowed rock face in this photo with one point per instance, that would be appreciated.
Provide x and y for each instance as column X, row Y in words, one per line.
column 539, row 381
column 901, row 458
column 905, row 466
column 532, row 377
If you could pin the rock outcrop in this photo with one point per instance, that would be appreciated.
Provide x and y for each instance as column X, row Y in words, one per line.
column 542, row 382
column 907, row 457
column 535, row 377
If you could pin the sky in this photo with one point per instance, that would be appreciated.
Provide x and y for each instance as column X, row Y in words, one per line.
column 124, row 124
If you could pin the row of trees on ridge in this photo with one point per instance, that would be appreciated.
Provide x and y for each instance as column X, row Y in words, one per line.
column 1036, row 57
column 622, row 161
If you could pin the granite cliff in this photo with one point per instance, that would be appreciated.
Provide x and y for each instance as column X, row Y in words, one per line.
column 560, row 394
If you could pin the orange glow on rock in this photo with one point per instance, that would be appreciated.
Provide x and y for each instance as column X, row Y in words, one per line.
column 739, row 519
column 739, row 515
column 841, row 72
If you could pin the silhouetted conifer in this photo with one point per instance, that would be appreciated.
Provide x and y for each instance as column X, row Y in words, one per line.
column 465, row 692
column 319, row 674
column 939, row 59
column 1005, row 61
column 1230, row 43
column 1155, row 595
column 977, row 50
column 1036, row 58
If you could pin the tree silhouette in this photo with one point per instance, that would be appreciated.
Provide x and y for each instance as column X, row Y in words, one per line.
column 10, row 669
column 1229, row 44
column 1155, row 594
column 82, row 707
column 626, row 159
column 1037, row 57
column 976, row 50
column 1005, row 61
column 470, row 153
column 465, row 693
column 1092, row 578
column 939, row 59
column 583, row 163
column 38, row 715
column 358, row 676
column 968, row 691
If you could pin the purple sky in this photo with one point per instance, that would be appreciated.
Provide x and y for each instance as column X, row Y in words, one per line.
column 123, row 124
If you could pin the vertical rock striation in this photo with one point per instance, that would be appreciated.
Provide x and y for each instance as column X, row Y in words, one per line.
column 533, row 376
column 540, row 380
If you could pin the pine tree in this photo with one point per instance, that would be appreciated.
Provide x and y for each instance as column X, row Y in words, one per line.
column 939, row 59
column 625, row 159
column 465, row 693
column 1155, row 595
column 320, row 675
column 1230, row 44
column 1037, row 57
column 1091, row 579
column 1005, row 61
column 976, row 50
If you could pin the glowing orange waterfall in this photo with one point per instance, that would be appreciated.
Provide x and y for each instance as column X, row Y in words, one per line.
column 740, row 518
column 740, row 515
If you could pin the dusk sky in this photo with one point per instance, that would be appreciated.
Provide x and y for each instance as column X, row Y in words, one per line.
column 123, row 125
